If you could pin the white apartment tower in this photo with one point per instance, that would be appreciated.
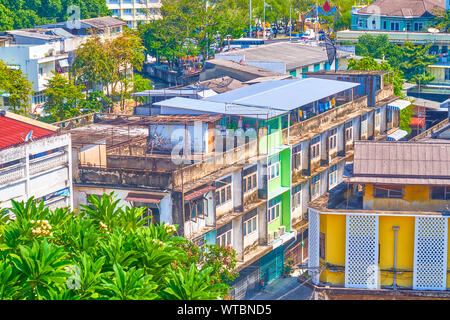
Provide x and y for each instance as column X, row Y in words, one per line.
column 135, row 12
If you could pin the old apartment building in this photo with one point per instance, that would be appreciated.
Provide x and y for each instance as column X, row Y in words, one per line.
column 235, row 169
column 385, row 230
column 35, row 161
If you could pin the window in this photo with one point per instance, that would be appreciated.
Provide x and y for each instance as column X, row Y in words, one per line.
column 297, row 157
column 333, row 139
column 388, row 192
column 223, row 191
column 322, row 246
column 440, row 193
column 377, row 118
column 315, row 187
column 447, row 74
column 274, row 167
column 224, row 235
column 250, row 180
column 315, row 148
column 274, row 209
column 389, row 115
column 250, row 226
column 127, row 12
column 385, row 25
column 395, row 26
column 194, row 209
column 418, row 26
column 364, row 125
column 408, row 26
column 296, row 198
column 333, row 176
column 349, row 131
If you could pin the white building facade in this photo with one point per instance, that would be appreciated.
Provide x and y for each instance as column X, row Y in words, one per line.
column 41, row 169
column 135, row 12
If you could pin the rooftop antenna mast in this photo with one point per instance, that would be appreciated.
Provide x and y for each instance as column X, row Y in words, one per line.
column 331, row 52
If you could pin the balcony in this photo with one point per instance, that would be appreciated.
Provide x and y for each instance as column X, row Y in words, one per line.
column 48, row 162
column 12, row 174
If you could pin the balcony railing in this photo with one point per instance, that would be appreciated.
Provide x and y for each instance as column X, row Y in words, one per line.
column 14, row 173
column 48, row 162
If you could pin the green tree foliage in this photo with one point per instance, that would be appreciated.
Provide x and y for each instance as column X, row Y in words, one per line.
column 415, row 59
column 370, row 64
column 109, row 64
column 189, row 28
column 14, row 83
column 411, row 59
column 18, row 14
column 63, row 98
column 102, row 252
column 405, row 119
column 442, row 21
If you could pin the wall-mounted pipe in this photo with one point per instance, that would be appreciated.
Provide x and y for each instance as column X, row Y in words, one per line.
column 395, row 228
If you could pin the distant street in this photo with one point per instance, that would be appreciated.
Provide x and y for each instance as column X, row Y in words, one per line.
column 285, row 289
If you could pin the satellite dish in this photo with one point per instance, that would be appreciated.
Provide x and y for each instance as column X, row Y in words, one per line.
column 29, row 136
column 331, row 50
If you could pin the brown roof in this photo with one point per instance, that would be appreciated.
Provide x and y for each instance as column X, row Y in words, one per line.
column 401, row 162
column 404, row 8
column 223, row 84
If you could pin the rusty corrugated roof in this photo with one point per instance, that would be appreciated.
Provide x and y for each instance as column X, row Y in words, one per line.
column 404, row 8
column 402, row 162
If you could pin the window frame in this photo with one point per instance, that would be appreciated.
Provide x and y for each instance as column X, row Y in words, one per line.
column 390, row 190
column 227, row 193
column 349, row 132
column 315, row 184
column 332, row 140
column 315, row 148
column 253, row 222
column 225, row 239
column 445, row 193
column 277, row 169
column 276, row 216
column 333, row 174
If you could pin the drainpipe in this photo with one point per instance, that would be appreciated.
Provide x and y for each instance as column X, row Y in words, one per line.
column 395, row 228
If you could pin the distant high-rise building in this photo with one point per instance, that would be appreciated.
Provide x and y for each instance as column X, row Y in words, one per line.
column 135, row 12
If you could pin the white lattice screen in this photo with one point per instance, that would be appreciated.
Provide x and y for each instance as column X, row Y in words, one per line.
column 313, row 244
column 361, row 252
column 430, row 253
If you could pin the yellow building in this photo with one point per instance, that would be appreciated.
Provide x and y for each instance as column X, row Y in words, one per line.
column 387, row 227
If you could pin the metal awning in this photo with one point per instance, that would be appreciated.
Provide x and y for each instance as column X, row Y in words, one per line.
column 63, row 63
column 198, row 193
column 417, row 122
column 145, row 197
column 397, row 135
column 399, row 104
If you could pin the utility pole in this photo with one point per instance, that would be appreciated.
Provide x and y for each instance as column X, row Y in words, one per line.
column 290, row 22
column 264, row 25
column 250, row 17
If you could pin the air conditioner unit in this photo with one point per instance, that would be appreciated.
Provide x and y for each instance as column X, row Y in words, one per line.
column 282, row 230
column 276, row 234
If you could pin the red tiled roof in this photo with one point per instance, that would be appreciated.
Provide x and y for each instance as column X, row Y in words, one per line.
column 13, row 131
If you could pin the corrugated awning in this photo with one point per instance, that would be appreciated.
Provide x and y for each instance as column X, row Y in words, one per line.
column 145, row 197
column 397, row 135
column 417, row 122
column 399, row 104
column 198, row 193
column 63, row 63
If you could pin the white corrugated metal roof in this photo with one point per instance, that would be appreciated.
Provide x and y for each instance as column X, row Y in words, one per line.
column 205, row 106
column 284, row 94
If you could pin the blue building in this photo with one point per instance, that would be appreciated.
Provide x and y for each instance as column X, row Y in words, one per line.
column 398, row 15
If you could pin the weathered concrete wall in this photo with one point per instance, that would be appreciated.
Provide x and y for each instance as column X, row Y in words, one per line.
column 124, row 177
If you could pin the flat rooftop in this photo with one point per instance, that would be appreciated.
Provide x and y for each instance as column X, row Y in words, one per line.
column 114, row 130
column 294, row 55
